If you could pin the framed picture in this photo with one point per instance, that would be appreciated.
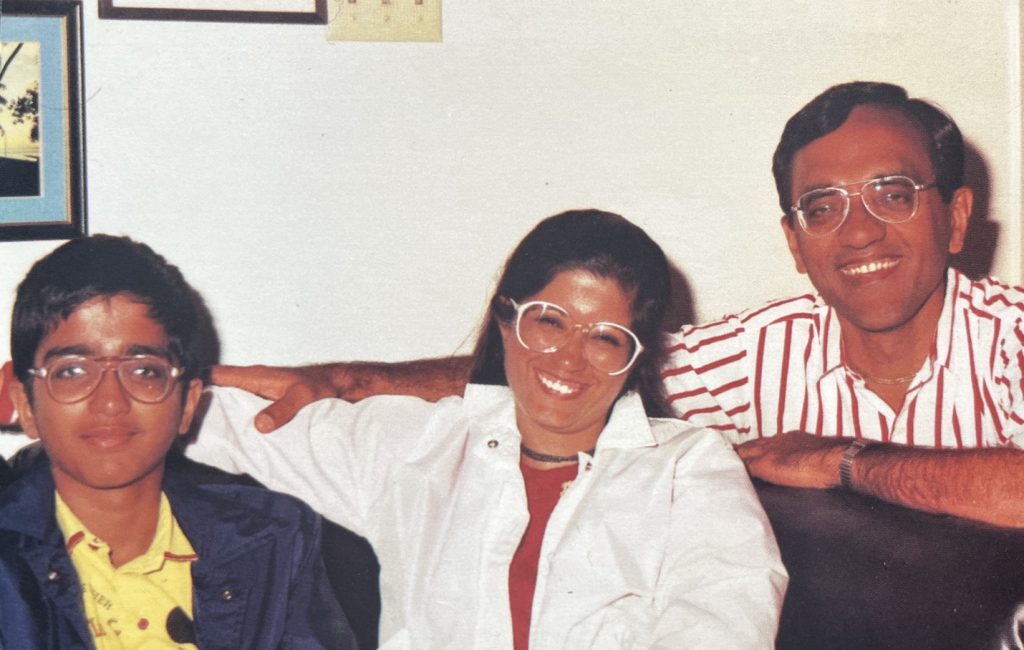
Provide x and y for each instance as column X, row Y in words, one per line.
column 42, row 157
column 255, row 11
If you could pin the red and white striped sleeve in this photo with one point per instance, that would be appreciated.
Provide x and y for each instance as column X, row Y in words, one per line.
column 707, row 376
column 1007, row 357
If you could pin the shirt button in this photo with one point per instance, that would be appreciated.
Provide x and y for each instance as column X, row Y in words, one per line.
column 586, row 468
column 143, row 623
column 492, row 444
column 227, row 595
column 53, row 575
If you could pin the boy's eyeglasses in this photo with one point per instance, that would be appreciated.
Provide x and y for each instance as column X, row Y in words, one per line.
column 146, row 378
column 545, row 327
column 892, row 199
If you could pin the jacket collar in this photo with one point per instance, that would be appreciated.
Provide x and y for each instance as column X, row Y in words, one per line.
column 210, row 519
column 627, row 426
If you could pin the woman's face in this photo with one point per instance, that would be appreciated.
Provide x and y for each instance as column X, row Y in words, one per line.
column 562, row 402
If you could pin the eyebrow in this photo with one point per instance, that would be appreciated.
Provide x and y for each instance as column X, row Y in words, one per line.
column 86, row 351
column 823, row 186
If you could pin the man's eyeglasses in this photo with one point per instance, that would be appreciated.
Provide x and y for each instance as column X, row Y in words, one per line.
column 892, row 199
column 146, row 378
column 545, row 327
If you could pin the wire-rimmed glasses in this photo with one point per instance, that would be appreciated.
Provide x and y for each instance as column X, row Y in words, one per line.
column 892, row 199
column 545, row 327
column 72, row 378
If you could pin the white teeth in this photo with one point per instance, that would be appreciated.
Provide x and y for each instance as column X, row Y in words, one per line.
column 870, row 267
column 556, row 385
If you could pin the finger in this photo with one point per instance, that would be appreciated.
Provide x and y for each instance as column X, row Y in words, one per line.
column 284, row 409
column 752, row 448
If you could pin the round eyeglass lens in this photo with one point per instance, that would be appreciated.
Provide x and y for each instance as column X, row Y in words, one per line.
column 822, row 211
column 70, row 380
column 891, row 199
column 147, row 379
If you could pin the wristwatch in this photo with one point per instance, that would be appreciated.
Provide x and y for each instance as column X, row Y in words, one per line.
column 846, row 464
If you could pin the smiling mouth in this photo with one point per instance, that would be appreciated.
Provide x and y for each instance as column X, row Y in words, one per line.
column 558, row 386
column 865, row 268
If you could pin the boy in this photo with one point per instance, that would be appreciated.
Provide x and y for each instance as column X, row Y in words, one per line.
column 103, row 546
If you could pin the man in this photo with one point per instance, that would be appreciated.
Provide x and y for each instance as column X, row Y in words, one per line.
column 896, row 348
column 103, row 545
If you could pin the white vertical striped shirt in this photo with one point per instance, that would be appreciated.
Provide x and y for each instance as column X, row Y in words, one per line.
column 780, row 368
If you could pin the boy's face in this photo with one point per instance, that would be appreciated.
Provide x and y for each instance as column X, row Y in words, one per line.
column 107, row 440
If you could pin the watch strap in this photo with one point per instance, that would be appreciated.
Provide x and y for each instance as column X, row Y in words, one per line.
column 846, row 463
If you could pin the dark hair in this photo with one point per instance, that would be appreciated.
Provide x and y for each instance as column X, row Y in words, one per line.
column 103, row 266
column 601, row 243
column 829, row 110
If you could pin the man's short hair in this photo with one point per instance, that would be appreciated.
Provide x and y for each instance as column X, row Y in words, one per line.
column 829, row 110
column 103, row 266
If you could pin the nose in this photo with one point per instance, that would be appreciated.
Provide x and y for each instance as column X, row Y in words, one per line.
column 860, row 229
column 110, row 397
column 572, row 355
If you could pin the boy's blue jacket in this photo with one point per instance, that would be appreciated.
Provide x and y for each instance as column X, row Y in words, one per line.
column 259, row 581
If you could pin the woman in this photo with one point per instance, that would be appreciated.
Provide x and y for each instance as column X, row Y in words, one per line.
column 544, row 508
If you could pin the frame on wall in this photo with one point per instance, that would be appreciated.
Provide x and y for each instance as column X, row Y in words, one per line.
column 42, row 157
column 251, row 11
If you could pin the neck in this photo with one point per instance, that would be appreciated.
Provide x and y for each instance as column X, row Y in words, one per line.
column 888, row 359
column 552, row 445
column 125, row 518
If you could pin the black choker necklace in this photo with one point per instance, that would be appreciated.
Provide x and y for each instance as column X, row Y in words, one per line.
column 547, row 458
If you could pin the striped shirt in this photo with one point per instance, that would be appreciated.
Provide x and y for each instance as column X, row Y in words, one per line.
column 780, row 368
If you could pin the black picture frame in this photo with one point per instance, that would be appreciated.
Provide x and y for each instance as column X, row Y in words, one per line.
column 44, row 199
column 185, row 10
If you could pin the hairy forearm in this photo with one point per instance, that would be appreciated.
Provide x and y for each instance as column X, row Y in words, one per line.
column 429, row 379
column 982, row 484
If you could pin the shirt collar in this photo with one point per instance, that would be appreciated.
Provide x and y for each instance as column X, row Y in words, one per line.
column 942, row 345
column 627, row 426
column 168, row 545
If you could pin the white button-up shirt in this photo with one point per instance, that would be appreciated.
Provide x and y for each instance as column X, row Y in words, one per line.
column 659, row 542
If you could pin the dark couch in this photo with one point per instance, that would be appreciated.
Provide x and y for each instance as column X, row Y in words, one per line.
column 867, row 574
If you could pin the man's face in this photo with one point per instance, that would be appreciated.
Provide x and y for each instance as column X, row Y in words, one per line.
column 107, row 440
column 878, row 276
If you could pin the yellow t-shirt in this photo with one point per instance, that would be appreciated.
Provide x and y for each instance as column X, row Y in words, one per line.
column 144, row 603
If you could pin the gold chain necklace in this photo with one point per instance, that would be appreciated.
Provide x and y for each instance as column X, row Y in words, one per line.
column 896, row 381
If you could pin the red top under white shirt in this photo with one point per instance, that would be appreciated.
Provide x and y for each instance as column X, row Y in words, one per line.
column 543, row 489
column 780, row 368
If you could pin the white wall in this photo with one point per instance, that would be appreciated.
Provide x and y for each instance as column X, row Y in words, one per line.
column 353, row 200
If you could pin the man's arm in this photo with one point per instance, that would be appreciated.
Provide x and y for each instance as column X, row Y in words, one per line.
column 293, row 388
column 982, row 484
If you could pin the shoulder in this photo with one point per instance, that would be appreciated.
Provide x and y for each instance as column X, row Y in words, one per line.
column 22, row 501
column 988, row 297
column 804, row 308
column 244, row 508
column 686, row 441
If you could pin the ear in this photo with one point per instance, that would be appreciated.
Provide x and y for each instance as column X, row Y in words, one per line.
column 960, row 208
column 24, row 407
column 194, row 392
column 794, row 248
